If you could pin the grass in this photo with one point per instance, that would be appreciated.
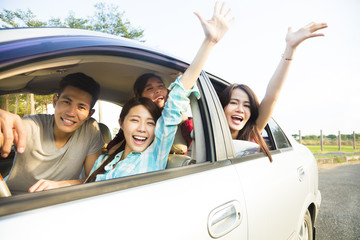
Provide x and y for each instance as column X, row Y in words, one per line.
column 316, row 149
column 346, row 150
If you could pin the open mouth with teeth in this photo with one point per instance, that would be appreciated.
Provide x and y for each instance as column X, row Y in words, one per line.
column 159, row 99
column 67, row 122
column 139, row 139
column 237, row 119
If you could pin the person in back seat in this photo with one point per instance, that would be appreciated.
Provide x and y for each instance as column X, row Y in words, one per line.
column 152, row 86
column 147, row 145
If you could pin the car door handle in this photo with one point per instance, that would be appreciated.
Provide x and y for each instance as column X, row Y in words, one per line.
column 224, row 219
column 301, row 173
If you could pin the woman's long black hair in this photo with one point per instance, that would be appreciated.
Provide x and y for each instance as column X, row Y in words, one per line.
column 133, row 102
column 250, row 131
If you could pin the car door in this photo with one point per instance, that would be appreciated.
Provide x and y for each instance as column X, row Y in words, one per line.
column 274, row 192
column 199, row 201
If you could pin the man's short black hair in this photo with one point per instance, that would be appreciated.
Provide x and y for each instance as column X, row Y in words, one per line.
column 83, row 82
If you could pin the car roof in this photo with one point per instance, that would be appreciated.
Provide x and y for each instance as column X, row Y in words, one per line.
column 26, row 33
column 35, row 59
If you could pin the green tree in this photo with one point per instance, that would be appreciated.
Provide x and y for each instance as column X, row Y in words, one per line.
column 109, row 19
column 311, row 137
column 106, row 18
column 331, row 136
column 19, row 18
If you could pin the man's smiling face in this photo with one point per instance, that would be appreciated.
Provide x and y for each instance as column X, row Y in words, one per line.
column 72, row 109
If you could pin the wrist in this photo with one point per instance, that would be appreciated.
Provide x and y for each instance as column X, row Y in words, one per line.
column 210, row 42
column 288, row 53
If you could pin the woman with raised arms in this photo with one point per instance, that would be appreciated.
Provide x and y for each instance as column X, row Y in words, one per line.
column 149, row 134
column 245, row 116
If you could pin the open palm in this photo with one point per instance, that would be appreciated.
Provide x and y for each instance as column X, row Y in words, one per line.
column 217, row 26
column 308, row 31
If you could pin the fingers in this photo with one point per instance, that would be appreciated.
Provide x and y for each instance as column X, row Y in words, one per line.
column 227, row 13
column 316, row 35
column 319, row 26
column 313, row 27
column 216, row 8
column 38, row 186
column 222, row 9
column 216, row 27
column 6, row 140
column 202, row 20
column 19, row 135
column 43, row 185
column 12, row 131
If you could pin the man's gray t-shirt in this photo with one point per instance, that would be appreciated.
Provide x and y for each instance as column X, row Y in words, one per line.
column 42, row 160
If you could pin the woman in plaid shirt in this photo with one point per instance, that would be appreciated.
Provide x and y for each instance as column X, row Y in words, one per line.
column 147, row 144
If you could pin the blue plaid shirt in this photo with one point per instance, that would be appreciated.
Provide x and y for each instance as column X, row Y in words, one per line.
column 154, row 158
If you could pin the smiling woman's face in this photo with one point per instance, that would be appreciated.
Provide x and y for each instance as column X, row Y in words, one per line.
column 139, row 129
column 156, row 91
column 237, row 111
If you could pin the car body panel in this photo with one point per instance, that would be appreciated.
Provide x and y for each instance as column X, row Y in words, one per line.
column 139, row 212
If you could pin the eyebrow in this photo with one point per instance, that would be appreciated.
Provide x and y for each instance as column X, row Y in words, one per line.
column 66, row 97
column 238, row 100
column 159, row 82
column 71, row 100
column 138, row 116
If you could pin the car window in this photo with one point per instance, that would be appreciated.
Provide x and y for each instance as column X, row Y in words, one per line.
column 267, row 138
column 244, row 148
column 281, row 140
column 241, row 147
column 116, row 73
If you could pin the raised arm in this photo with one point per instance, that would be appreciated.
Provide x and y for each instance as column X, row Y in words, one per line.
column 293, row 39
column 214, row 30
column 12, row 131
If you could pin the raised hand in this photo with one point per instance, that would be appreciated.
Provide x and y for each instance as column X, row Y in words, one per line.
column 217, row 26
column 293, row 39
column 214, row 29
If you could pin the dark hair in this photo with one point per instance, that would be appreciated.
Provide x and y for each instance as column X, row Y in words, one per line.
column 146, row 102
column 133, row 102
column 250, row 131
column 141, row 81
column 138, row 89
column 83, row 82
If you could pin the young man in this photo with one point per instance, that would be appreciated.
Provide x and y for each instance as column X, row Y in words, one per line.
column 58, row 146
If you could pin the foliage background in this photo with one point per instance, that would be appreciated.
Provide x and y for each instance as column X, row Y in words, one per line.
column 107, row 18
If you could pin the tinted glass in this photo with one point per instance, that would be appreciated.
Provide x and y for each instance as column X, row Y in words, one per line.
column 279, row 136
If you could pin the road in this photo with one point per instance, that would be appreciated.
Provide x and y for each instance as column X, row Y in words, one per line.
column 339, row 216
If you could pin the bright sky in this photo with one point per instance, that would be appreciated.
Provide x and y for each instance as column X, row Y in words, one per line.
column 321, row 91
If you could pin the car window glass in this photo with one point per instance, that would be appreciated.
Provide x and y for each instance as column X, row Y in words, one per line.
column 244, row 148
column 279, row 136
column 268, row 140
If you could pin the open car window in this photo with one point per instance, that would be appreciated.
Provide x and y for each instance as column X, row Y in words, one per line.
column 272, row 134
column 279, row 136
column 115, row 69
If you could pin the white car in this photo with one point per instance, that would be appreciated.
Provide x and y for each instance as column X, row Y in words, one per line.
column 222, row 189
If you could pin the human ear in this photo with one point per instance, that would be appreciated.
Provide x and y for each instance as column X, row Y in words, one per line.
column 92, row 111
column 55, row 99
column 121, row 124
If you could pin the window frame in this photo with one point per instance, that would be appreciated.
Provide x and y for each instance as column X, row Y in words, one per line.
column 31, row 201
